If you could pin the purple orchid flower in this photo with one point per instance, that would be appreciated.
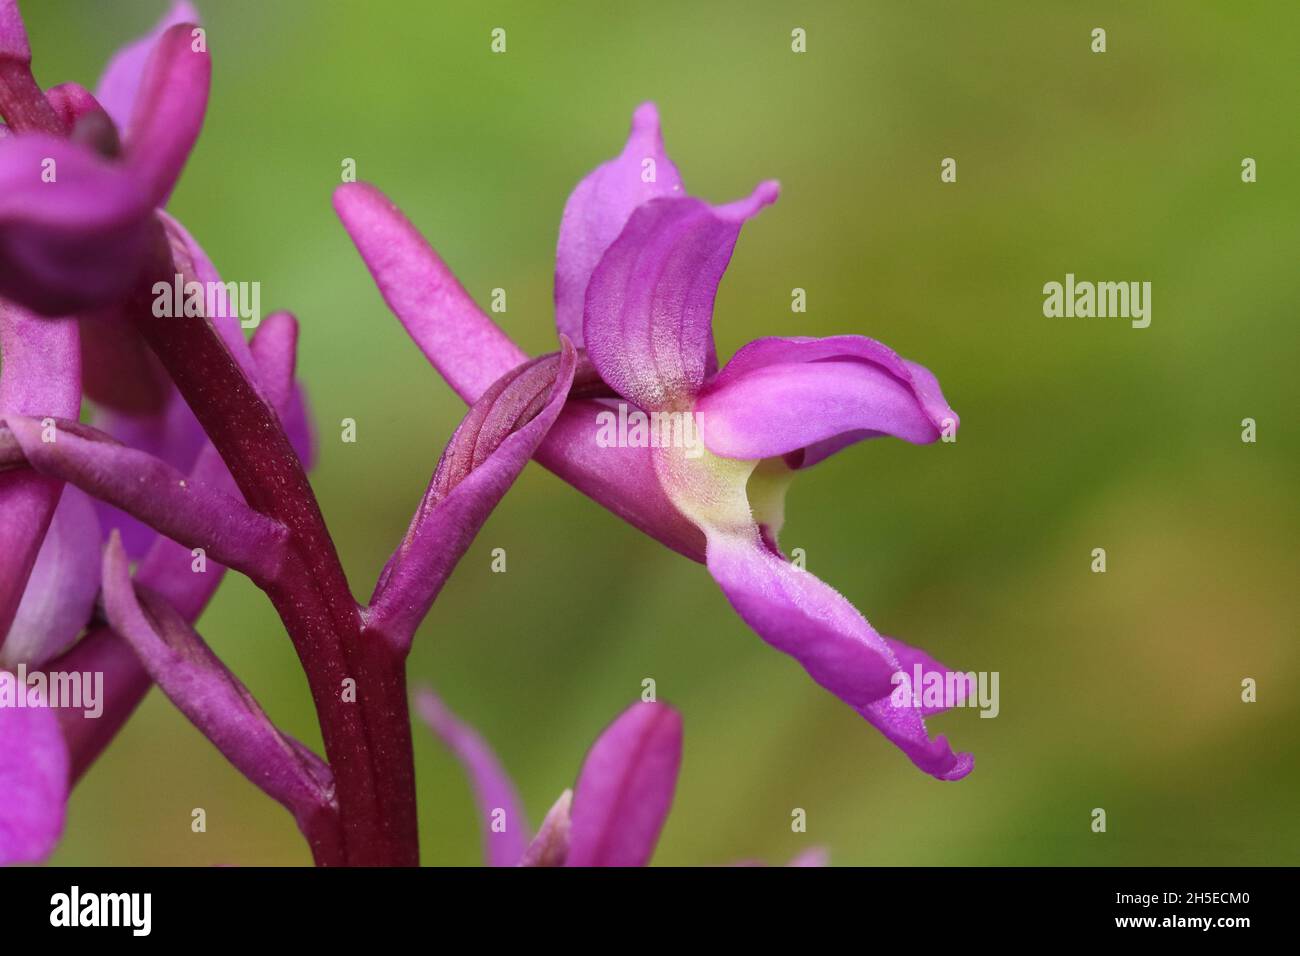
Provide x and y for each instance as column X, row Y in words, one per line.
column 44, row 750
column 198, row 440
column 156, row 90
column 153, row 612
column 614, row 814
column 80, row 177
column 47, row 363
column 153, row 81
column 638, row 266
column 46, row 595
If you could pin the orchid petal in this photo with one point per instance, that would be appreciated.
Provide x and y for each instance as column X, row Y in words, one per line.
column 214, row 700
column 172, row 435
column 125, row 683
column 72, row 102
column 191, row 512
column 648, row 322
column 463, row 344
column 41, row 374
column 119, row 85
column 904, row 727
column 168, row 112
column 33, row 782
column 61, row 591
column 84, row 119
column 801, row 616
column 599, row 208
column 297, row 419
column 625, row 788
column 23, row 106
column 168, row 569
column 780, row 396
column 498, row 435
column 621, row 479
column 471, row 353
column 494, row 792
column 274, row 349
column 13, row 35
column 218, row 308
column 121, row 374
column 910, row 658
column 72, row 242
column 551, row 845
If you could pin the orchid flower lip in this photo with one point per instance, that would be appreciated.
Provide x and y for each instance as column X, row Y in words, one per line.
column 807, row 398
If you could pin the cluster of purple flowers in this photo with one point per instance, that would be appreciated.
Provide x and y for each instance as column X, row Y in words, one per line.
column 116, row 526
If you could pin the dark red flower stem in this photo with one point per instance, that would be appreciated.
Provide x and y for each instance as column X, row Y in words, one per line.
column 367, row 734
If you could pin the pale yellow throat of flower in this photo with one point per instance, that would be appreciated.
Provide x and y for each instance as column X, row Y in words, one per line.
column 724, row 496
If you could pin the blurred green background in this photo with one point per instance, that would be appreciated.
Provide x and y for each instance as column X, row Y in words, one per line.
column 1118, row 690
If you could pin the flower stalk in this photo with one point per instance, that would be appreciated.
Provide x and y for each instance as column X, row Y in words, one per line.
column 358, row 686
